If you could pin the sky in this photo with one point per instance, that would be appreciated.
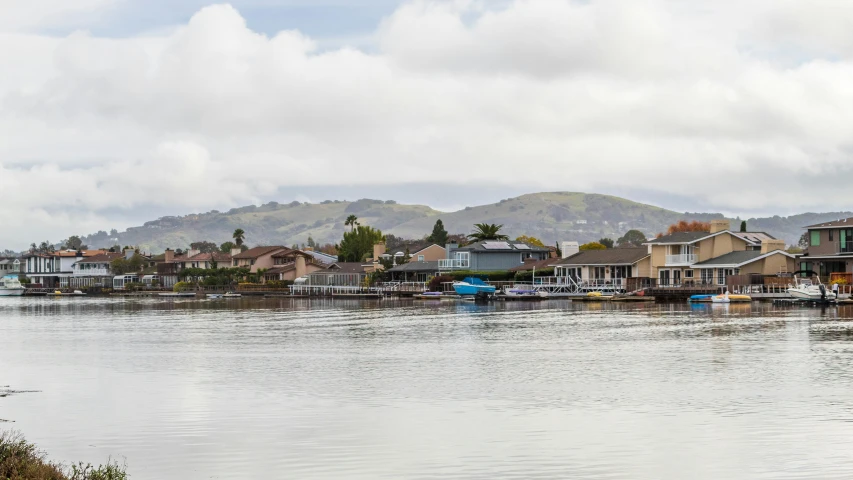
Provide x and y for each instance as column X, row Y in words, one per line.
column 115, row 112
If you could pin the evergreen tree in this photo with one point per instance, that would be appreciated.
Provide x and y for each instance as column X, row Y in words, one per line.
column 439, row 234
column 743, row 226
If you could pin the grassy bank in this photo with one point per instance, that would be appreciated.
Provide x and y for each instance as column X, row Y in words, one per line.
column 21, row 460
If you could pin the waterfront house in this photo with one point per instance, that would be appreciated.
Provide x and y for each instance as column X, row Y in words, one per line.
column 260, row 258
column 610, row 267
column 490, row 255
column 10, row 266
column 772, row 259
column 54, row 270
column 414, row 271
column 93, row 271
column 291, row 264
column 204, row 261
column 340, row 274
column 830, row 250
column 673, row 256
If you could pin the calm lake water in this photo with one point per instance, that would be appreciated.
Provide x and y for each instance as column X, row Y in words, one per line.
column 303, row 389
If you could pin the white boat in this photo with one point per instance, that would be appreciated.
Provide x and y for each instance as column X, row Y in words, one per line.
column 806, row 290
column 232, row 295
column 11, row 287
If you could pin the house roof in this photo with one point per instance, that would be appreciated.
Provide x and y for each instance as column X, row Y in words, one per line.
column 531, row 263
column 680, row 237
column 428, row 246
column 290, row 252
column 741, row 257
column 68, row 253
column 844, row 222
column 257, row 252
column 754, row 238
column 207, row 257
column 611, row 256
column 494, row 246
column 102, row 258
column 416, row 267
column 282, row 269
column 343, row 267
column 323, row 257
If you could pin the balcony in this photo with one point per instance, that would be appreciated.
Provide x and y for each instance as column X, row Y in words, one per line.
column 453, row 263
column 683, row 259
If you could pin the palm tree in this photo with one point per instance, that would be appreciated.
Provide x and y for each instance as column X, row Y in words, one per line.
column 238, row 236
column 352, row 221
column 487, row 231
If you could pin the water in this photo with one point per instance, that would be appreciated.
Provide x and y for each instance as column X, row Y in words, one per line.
column 303, row 389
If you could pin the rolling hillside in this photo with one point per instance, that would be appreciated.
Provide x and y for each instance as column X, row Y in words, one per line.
column 554, row 216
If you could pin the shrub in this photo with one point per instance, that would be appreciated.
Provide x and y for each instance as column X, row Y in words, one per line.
column 436, row 283
column 181, row 286
column 528, row 275
column 21, row 460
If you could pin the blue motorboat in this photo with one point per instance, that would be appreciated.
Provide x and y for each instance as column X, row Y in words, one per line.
column 701, row 298
column 473, row 286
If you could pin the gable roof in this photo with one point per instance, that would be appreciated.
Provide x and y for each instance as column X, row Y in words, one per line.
column 530, row 264
column 739, row 258
column 257, row 252
column 102, row 258
column 343, row 267
column 679, row 237
column 428, row 246
column 207, row 257
column 429, row 266
column 513, row 247
column 611, row 256
column 844, row 222
column 754, row 238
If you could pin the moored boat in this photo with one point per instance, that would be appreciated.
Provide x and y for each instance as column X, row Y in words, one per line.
column 807, row 290
column 473, row 286
column 11, row 287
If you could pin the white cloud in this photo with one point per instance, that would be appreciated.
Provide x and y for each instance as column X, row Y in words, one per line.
column 744, row 107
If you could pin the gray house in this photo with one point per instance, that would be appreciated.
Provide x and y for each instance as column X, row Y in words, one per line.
column 490, row 255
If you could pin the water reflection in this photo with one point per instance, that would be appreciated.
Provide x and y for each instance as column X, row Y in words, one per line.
column 296, row 388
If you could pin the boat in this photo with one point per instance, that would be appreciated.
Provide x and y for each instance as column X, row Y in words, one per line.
column 214, row 295
column 232, row 295
column 59, row 293
column 807, row 290
column 178, row 294
column 473, row 286
column 726, row 298
column 11, row 287
column 521, row 292
column 701, row 298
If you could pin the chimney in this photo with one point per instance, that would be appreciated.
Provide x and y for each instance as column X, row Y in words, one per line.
column 301, row 269
column 720, row 225
column 570, row 248
column 128, row 253
column 193, row 252
column 169, row 255
column 449, row 248
column 771, row 245
column 236, row 251
column 378, row 251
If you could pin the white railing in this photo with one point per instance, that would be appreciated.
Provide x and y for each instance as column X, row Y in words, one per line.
column 92, row 272
column 451, row 263
column 681, row 259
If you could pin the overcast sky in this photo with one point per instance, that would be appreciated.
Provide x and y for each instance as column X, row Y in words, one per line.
column 113, row 112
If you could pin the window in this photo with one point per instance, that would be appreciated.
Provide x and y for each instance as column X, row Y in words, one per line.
column 688, row 274
column 598, row 273
column 722, row 273
column 706, row 276
column 815, row 238
column 830, row 235
column 420, row 258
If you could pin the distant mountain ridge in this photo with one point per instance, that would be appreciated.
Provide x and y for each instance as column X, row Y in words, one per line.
column 550, row 216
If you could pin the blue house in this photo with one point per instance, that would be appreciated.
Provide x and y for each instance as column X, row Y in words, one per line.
column 490, row 255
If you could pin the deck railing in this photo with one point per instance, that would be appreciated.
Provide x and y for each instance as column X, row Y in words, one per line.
column 453, row 263
column 681, row 259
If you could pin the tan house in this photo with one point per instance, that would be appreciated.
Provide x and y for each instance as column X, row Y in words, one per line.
column 259, row 258
column 612, row 267
column 432, row 253
column 678, row 258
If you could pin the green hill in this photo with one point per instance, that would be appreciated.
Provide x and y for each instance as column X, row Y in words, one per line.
column 552, row 217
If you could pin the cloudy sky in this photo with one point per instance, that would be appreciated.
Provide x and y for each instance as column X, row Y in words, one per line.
column 113, row 112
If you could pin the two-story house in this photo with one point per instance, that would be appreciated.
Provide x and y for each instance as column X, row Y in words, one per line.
column 10, row 266
column 830, row 248
column 53, row 270
column 93, row 270
column 490, row 255
column 701, row 257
